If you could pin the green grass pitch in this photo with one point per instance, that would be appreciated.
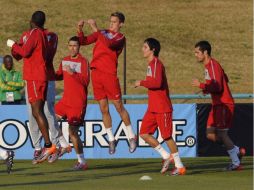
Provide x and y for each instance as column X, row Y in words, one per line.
column 117, row 174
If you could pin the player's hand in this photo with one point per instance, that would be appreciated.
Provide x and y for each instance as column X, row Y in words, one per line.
column 195, row 83
column 68, row 69
column 80, row 25
column 137, row 83
column 92, row 24
column 10, row 43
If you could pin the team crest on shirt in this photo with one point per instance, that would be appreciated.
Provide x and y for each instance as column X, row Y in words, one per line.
column 149, row 71
column 107, row 34
column 75, row 66
column 207, row 76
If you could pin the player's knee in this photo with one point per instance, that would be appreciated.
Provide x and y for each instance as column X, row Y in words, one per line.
column 104, row 110
column 211, row 137
column 144, row 136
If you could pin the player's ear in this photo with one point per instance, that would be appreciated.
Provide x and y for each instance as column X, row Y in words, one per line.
column 205, row 52
column 121, row 24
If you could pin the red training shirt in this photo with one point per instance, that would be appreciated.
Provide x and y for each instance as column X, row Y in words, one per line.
column 158, row 92
column 108, row 46
column 32, row 48
column 216, row 84
column 75, row 85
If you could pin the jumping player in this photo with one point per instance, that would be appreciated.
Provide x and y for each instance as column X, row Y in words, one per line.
column 221, row 115
column 108, row 46
column 56, row 135
column 34, row 51
column 159, row 112
column 74, row 71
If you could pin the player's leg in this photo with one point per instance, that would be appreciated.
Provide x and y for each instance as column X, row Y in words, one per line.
column 107, row 121
column 126, row 119
column 37, row 91
column 56, row 134
column 164, row 121
column 148, row 127
column 77, row 144
column 113, row 92
column 34, row 131
column 223, row 117
column 7, row 156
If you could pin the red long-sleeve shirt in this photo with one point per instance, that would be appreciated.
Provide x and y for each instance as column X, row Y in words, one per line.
column 158, row 92
column 52, row 41
column 75, row 85
column 108, row 46
column 216, row 84
column 32, row 48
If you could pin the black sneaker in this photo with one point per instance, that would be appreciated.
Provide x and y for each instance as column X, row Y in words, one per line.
column 9, row 161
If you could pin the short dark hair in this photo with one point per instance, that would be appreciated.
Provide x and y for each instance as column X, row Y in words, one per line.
column 154, row 45
column 119, row 15
column 38, row 18
column 74, row 38
column 7, row 57
column 204, row 46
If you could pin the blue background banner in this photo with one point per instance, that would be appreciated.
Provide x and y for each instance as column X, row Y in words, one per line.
column 14, row 133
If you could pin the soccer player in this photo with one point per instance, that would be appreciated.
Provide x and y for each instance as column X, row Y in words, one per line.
column 7, row 156
column 159, row 112
column 34, row 52
column 74, row 71
column 221, row 115
column 55, row 132
column 108, row 46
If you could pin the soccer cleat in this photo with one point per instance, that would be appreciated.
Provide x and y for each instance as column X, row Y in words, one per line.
column 37, row 153
column 53, row 157
column 9, row 161
column 112, row 147
column 178, row 171
column 165, row 163
column 233, row 167
column 241, row 153
column 63, row 150
column 46, row 152
column 132, row 144
column 80, row 166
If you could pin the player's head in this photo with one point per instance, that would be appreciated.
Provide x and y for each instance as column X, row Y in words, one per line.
column 202, row 50
column 73, row 45
column 151, row 47
column 8, row 62
column 116, row 21
column 38, row 19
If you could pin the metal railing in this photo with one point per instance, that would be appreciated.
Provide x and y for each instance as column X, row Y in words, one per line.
column 175, row 96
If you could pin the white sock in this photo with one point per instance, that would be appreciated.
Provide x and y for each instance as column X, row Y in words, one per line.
column 234, row 157
column 177, row 159
column 3, row 154
column 81, row 158
column 110, row 134
column 130, row 133
column 63, row 142
column 164, row 154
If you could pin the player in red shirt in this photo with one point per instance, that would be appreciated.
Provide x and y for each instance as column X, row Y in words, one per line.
column 108, row 46
column 221, row 115
column 34, row 52
column 74, row 71
column 159, row 112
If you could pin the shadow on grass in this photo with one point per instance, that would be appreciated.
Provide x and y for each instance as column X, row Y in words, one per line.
column 36, row 183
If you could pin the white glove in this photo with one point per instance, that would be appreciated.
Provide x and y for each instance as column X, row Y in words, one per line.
column 10, row 43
